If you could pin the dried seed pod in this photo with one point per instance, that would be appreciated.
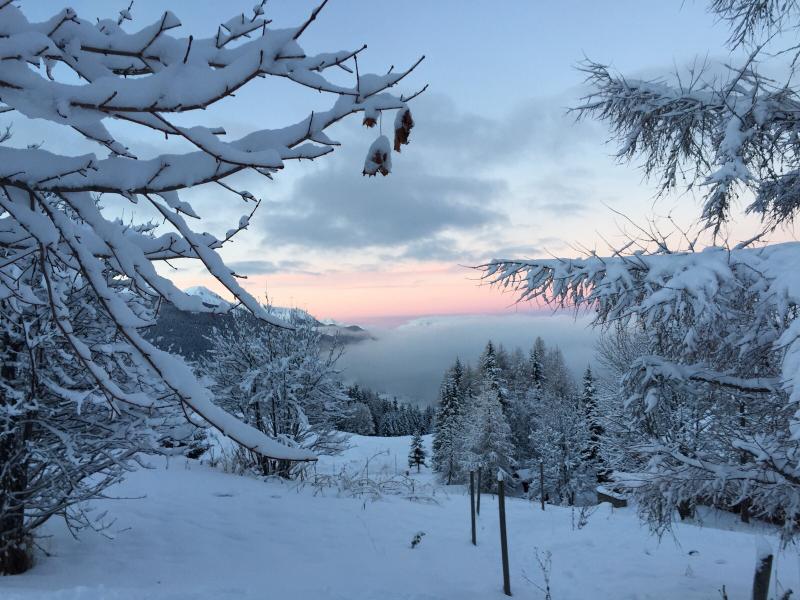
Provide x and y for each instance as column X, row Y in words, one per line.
column 379, row 158
column 370, row 117
column 402, row 128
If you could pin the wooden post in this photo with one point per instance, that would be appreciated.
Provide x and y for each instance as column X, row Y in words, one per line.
column 478, row 492
column 763, row 570
column 472, row 504
column 501, row 497
column 541, row 483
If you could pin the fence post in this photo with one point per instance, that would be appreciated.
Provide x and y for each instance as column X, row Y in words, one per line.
column 763, row 569
column 472, row 504
column 501, row 498
column 478, row 493
column 541, row 483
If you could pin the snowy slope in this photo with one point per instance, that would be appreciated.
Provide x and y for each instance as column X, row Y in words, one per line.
column 207, row 296
column 200, row 533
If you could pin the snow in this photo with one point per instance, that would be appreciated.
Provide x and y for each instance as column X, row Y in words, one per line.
column 207, row 296
column 201, row 533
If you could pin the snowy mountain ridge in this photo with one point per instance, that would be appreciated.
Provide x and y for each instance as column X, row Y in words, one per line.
column 188, row 333
column 282, row 312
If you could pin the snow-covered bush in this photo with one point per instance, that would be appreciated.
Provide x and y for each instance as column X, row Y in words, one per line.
column 280, row 381
column 711, row 402
column 369, row 482
column 63, row 257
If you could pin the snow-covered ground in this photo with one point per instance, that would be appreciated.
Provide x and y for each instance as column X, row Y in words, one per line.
column 201, row 533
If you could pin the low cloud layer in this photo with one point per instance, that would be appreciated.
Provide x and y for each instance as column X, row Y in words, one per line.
column 409, row 361
column 268, row 267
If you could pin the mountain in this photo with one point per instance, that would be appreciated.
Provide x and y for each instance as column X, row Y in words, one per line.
column 207, row 296
column 186, row 333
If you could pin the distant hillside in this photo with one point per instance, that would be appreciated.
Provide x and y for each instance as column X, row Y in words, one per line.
column 187, row 333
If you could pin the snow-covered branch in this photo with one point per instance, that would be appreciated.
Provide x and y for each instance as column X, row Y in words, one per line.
column 82, row 74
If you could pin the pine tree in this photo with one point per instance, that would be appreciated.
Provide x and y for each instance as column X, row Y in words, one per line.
column 535, row 363
column 522, row 413
column 593, row 452
column 559, row 438
column 490, row 446
column 358, row 420
column 416, row 455
column 429, row 419
column 491, row 374
column 557, row 378
column 448, row 429
column 390, row 425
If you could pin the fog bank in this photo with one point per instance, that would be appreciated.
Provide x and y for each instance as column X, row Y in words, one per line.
column 409, row 360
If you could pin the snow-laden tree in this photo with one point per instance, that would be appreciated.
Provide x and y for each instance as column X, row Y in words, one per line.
column 559, row 438
column 525, row 401
column 535, row 362
column 488, row 444
column 280, row 381
column 391, row 423
column 593, row 452
column 61, row 442
column 448, row 434
column 82, row 75
column 558, row 433
column 416, row 452
column 491, row 372
column 358, row 419
column 713, row 402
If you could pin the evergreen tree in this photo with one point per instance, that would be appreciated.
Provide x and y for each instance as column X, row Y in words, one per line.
column 358, row 420
column 491, row 374
column 416, row 455
column 448, row 430
column 390, row 425
column 490, row 445
column 559, row 438
column 522, row 414
column 557, row 378
column 593, row 452
column 535, row 363
column 429, row 418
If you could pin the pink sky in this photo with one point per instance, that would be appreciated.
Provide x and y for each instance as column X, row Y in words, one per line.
column 380, row 297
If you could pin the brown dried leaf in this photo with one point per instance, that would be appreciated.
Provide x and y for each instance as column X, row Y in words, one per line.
column 402, row 133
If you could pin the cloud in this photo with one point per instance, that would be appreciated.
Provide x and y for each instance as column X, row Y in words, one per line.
column 437, row 249
column 566, row 209
column 535, row 128
column 337, row 208
column 268, row 267
column 560, row 197
column 446, row 187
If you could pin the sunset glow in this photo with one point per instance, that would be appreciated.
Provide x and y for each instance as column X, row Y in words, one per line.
column 381, row 297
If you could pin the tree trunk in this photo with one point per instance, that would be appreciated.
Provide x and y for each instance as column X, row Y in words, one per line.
column 685, row 510
column 14, row 551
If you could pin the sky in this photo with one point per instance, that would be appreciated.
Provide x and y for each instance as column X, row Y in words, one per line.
column 496, row 167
